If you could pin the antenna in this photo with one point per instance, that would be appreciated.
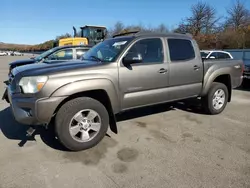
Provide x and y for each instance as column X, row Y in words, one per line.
column 74, row 31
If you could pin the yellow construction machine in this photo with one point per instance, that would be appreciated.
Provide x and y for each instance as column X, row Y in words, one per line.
column 88, row 35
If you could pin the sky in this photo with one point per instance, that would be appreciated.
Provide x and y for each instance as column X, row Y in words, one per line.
column 36, row 21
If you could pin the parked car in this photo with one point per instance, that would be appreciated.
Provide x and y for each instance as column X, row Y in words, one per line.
column 215, row 54
column 3, row 53
column 244, row 55
column 17, row 54
column 246, row 75
column 118, row 74
column 8, row 53
column 54, row 55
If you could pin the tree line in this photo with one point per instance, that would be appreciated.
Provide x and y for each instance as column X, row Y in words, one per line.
column 210, row 30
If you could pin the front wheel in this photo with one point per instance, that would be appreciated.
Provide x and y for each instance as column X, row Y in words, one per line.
column 81, row 123
column 216, row 99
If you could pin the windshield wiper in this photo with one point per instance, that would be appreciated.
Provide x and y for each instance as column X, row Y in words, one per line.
column 96, row 58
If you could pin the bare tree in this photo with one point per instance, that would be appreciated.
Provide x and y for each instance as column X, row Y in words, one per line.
column 203, row 19
column 238, row 20
column 210, row 20
column 134, row 28
column 162, row 29
column 183, row 27
column 238, row 16
column 117, row 28
column 196, row 21
column 121, row 28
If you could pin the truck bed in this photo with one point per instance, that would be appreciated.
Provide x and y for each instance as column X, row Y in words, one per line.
column 218, row 67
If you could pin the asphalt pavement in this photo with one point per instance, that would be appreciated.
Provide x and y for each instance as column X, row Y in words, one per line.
column 170, row 145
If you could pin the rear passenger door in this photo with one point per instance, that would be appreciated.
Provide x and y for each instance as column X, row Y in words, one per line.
column 144, row 83
column 186, row 69
column 79, row 52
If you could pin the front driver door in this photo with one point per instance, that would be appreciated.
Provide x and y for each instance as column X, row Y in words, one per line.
column 144, row 83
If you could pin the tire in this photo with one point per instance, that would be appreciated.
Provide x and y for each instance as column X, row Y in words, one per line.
column 207, row 101
column 66, row 113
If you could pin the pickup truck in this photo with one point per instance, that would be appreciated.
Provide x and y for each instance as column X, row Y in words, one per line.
column 17, row 54
column 121, row 73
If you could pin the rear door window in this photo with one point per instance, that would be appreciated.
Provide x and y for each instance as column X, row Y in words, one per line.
column 80, row 52
column 181, row 50
column 226, row 56
column 221, row 55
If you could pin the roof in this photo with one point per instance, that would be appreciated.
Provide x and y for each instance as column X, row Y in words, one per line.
column 153, row 34
column 208, row 51
column 74, row 46
column 93, row 26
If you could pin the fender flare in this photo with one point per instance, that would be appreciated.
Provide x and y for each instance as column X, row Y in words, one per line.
column 210, row 77
column 90, row 85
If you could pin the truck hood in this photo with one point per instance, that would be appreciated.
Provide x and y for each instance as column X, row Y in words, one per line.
column 22, row 62
column 47, row 68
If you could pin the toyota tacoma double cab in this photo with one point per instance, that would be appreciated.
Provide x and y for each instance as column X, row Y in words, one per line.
column 121, row 73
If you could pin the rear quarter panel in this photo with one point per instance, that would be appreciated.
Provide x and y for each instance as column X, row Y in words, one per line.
column 215, row 68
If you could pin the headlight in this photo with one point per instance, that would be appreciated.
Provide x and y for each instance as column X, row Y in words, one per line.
column 32, row 84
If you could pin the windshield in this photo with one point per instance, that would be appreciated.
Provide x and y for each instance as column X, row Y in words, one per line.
column 204, row 54
column 108, row 50
column 46, row 53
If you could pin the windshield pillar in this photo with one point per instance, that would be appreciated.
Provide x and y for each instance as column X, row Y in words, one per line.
column 85, row 32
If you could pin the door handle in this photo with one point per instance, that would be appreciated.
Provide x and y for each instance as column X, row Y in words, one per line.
column 162, row 71
column 196, row 67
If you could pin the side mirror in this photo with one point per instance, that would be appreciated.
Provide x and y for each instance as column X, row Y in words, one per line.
column 212, row 57
column 132, row 58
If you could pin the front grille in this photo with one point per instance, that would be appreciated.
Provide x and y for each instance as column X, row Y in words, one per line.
column 12, row 82
column 13, row 86
column 11, row 77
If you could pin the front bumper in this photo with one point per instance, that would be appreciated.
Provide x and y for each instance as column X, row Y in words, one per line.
column 32, row 111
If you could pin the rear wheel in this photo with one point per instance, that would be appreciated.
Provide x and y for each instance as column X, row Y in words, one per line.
column 81, row 123
column 216, row 99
